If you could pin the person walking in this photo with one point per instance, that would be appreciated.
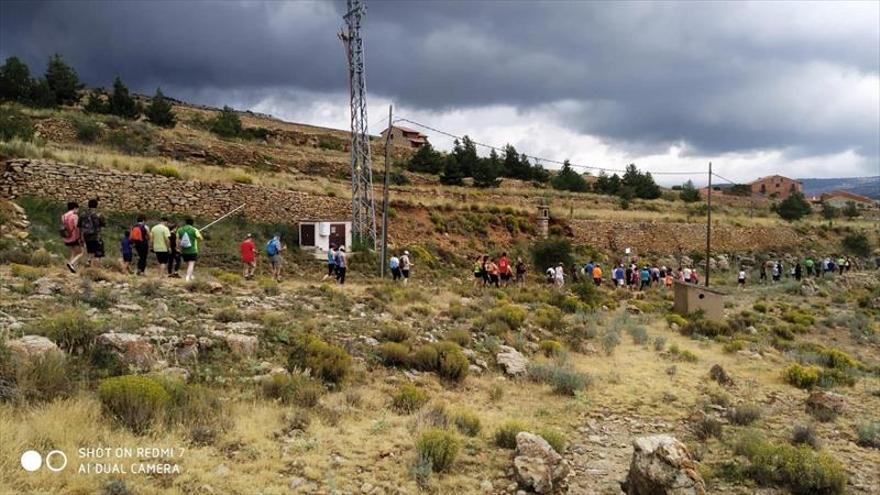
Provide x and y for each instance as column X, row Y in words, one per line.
column 90, row 226
column 394, row 265
column 777, row 271
column 160, row 236
column 798, row 271
column 71, row 236
column 597, row 274
column 741, row 279
column 273, row 250
column 504, row 269
column 479, row 266
column 520, row 272
column 405, row 267
column 808, row 265
column 331, row 263
column 248, row 250
column 189, row 239
column 840, row 265
column 559, row 275
column 140, row 237
column 174, row 252
column 341, row 265
column 492, row 269
column 644, row 278
column 125, row 248
column 695, row 277
column 763, row 274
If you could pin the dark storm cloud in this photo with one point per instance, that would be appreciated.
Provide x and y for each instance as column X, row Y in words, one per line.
column 720, row 77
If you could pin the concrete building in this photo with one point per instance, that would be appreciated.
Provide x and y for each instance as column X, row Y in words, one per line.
column 690, row 298
column 406, row 137
column 839, row 199
column 319, row 235
column 775, row 186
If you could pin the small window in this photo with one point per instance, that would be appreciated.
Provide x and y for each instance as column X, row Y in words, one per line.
column 702, row 296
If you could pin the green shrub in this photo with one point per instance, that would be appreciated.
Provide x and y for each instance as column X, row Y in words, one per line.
column 677, row 319
column 801, row 376
column 438, row 447
column 150, row 288
column 639, row 335
column 549, row 318
column 512, row 315
column 135, row 401
column 165, row 171
column 868, row 434
column 706, row 427
column 134, row 140
column 564, row 381
column 659, row 343
column 327, row 361
column 394, row 354
column 505, row 435
column 269, row 286
column 857, row 244
column 734, row 346
column 805, row 435
column 71, row 329
column 26, row 272
column 760, row 307
column 682, row 354
column 294, row 388
column 467, row 422
column 554, row 438
column 496, row 393
column 708, row 328
column 395, row 333
column 409, row 399
column 798, row 317
column 425, row 358
column 15, row 124
column 87, row 130
column 243, row 179
column 229, row 278
column 460, row 336
column 589, row 294
column 453, row 365
column 191, row 405
column 799, row 468
column 551, row 348
column 610, row 340
column 43, row 379
column 550, row 252
column 744, row 414
column 228, row 314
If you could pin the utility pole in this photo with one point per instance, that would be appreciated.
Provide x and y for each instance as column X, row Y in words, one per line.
column 385, row 199
column 363, row 222
column 709, row 224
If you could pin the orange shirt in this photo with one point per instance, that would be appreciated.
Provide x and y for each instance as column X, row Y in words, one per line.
column 597, row 272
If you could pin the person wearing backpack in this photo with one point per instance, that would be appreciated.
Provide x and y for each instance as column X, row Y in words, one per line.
column 341, row 265
column 139, row 237
column 394, row 264
column 90, row 225
column 174, row 263
column 273, row 249
column 188, row 239
column 405, row 267
column 125, row 248
column 71, row 235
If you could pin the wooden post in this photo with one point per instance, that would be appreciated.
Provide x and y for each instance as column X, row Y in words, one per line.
column 709, row 224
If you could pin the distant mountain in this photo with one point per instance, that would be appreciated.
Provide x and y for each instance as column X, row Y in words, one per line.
column 866, row 186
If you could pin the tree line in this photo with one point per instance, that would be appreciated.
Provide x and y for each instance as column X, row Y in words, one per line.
column 60, row 85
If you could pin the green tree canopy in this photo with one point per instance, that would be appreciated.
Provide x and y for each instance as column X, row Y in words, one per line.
column 227, row 123
column 16, row 83
column 829, row 212
column 850, row 210
column 452, row 174
column 689, row 193
column 426, row 160
column 63, row 81
column 96, row 102
column 857, row 244
column 121, row 102
column 465, row 153
column 159, row 111
column 569, row 180
column 607, row 185
column 487, row 170
column 642, row 184
column 516, row 166
column 794, row 207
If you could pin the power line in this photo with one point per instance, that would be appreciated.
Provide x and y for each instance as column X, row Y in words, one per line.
column 726, row 179
column 542, row 159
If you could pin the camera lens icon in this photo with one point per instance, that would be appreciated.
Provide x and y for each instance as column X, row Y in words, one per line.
column 31, row 461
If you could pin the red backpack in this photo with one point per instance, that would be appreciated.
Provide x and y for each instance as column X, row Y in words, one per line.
column 137, row 233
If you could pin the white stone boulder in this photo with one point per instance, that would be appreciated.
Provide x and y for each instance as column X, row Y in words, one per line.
column 662, row 465
column 537, row 466
column 511, row 361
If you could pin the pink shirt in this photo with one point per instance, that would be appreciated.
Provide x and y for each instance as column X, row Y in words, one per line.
column 71, row 223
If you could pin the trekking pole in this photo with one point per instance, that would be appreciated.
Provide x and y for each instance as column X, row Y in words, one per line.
column 224, row 216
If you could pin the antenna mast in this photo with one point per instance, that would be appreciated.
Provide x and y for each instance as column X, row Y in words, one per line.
column 363, row 209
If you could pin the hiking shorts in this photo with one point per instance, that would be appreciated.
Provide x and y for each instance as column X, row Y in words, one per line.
column 505, row 276
column 72, row 244
column 95, row 248
column 163, row 257
column 275, row 260
column 190, row 257
column 405, row 273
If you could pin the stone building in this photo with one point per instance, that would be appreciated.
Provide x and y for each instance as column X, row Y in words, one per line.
column 406, row 137
column 775, row 186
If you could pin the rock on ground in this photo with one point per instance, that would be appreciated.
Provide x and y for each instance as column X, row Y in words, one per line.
column 131, row 349
column 31, row 347
column 537, row 466
column 825, row 405
column 242, row 345
column 662, row 465
column 511, row 361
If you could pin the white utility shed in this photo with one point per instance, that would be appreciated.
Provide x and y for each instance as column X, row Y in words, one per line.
column 318, row 235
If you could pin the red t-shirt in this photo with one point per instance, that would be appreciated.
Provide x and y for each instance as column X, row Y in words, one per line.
column 248, row 251
column 503, row 265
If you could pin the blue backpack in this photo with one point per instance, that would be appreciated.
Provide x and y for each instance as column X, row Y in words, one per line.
column 271, row 247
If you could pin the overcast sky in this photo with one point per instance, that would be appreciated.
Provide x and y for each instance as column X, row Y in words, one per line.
column 757, row 88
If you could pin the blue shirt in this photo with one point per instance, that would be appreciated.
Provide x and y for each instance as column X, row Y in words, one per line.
column 331, row 258
column 126, row 246
column 394, row 263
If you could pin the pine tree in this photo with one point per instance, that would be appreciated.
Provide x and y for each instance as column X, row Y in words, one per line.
column 159, row 111
column 426, row 160
column 452, row 174
column 569, row 180
column 16, row 83
column 515, row 165
column 850, row 210
column 487, row 170
column 642, row 185
column 689, row 193
column 794, row 207
column 95, row 103
column 465, row 154
column 539, row 173
column 227, row 123
column 829, row 212
column 63, row 81
column 121, row 102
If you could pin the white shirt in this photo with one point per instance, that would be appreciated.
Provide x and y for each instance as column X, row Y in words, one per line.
column 560, row 273
column 687, row 273
column 742, row 275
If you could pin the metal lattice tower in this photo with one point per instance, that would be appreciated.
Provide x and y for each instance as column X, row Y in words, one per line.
column 363, row 209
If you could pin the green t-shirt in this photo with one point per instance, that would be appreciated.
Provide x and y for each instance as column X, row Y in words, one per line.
column 159, row 234
column 194, row 237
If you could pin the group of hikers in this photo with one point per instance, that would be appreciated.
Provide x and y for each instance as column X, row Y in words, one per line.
column 625, row 276
column 810, row 268
column 497, row 271
column 171, row 244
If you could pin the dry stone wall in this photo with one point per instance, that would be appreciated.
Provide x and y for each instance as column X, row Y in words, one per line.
column 134, row 192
